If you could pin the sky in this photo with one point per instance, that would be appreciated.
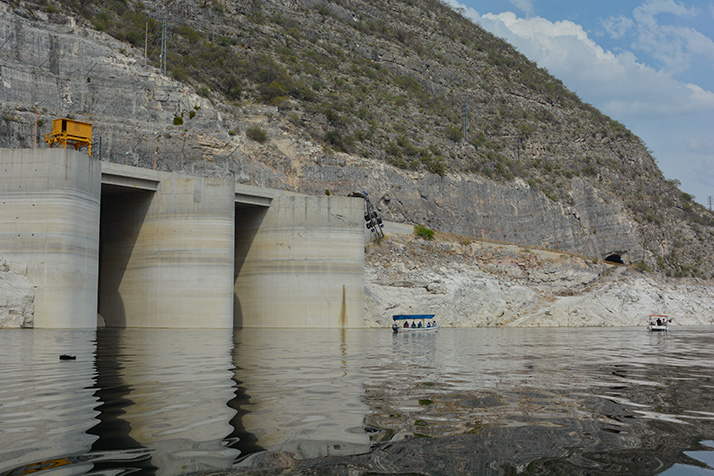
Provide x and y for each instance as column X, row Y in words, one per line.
column 648, row 64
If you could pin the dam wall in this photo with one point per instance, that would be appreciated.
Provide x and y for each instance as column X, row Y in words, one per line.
column 49, row 229
column 108, row 244
column 167, row 256
column 302, row 261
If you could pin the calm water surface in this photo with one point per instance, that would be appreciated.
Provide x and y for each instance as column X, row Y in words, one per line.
column 530, row 401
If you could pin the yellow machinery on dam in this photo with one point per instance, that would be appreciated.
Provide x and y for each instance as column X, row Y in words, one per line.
column 68, row 131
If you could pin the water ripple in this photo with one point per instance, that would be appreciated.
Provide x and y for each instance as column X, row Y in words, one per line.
column 476, row 401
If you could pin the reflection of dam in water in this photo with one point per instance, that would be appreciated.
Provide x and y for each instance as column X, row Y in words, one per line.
column 46, row 411
column 177, row 401
column 199, row 400
column 307, row 409
column 156, row 249
column 175, row 386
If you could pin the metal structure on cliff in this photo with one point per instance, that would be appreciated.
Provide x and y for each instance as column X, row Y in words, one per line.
column 371, row 215
column 163, row 47
column 68, row 131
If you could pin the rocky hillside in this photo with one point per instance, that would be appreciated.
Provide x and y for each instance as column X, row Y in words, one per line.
column 442, row 123
column 475, row 284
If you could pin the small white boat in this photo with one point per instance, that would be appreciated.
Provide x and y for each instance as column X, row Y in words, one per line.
column 419, row 323
column 659, row 323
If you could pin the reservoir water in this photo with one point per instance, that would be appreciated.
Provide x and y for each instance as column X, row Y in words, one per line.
column 463, row 401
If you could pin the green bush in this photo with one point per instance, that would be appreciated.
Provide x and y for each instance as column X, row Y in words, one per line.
column 335, row 138
column 190, row 34
column 393, row 149
column 178, row 120
column 424, row 232
column 257, row 134
column 436, row 165
column 642, row 267
column 454, row 133
column 270, row 92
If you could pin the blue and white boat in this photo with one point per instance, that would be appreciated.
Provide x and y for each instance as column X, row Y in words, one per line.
column 414, row 323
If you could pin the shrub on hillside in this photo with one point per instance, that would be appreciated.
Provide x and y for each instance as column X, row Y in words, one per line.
column 257, row 134
column 424, row 232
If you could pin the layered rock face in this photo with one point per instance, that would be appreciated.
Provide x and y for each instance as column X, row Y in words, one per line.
column 586, row 185
column 16, row 298
column 71, row 70
column 594, row 225
column 484, row 285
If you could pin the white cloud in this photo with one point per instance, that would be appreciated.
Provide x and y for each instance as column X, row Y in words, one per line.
column 526, row 6
column 673, row 46
column 618, row 27
column 673, row 117
column 647, row 12
column 617, row 83
column 700, row 145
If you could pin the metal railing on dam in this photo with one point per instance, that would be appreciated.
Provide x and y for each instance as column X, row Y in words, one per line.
column 110, row 244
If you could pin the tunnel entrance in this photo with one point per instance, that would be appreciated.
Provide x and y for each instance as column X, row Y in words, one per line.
column 615, row 258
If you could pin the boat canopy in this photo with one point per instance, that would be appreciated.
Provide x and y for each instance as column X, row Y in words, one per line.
column 401, row 317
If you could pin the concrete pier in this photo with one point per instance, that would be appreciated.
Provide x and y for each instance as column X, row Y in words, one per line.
column 156, row 249
column 167, row 256
column 49, row 227
column 300, row 263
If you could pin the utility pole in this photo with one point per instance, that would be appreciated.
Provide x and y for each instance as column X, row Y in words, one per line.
column 710, row 202
column 463, row 130
column 710, row 206
column 163, row 48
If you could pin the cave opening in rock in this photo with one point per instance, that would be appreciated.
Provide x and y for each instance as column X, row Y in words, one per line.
column 615, row 258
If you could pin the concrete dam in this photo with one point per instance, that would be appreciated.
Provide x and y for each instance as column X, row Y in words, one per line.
column 109, row 244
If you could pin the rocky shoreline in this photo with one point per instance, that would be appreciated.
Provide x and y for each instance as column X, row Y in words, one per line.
column 479, row 284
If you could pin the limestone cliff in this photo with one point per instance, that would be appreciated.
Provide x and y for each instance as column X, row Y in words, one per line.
column 482, row 284
column 16, row 298
column 319, row 97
